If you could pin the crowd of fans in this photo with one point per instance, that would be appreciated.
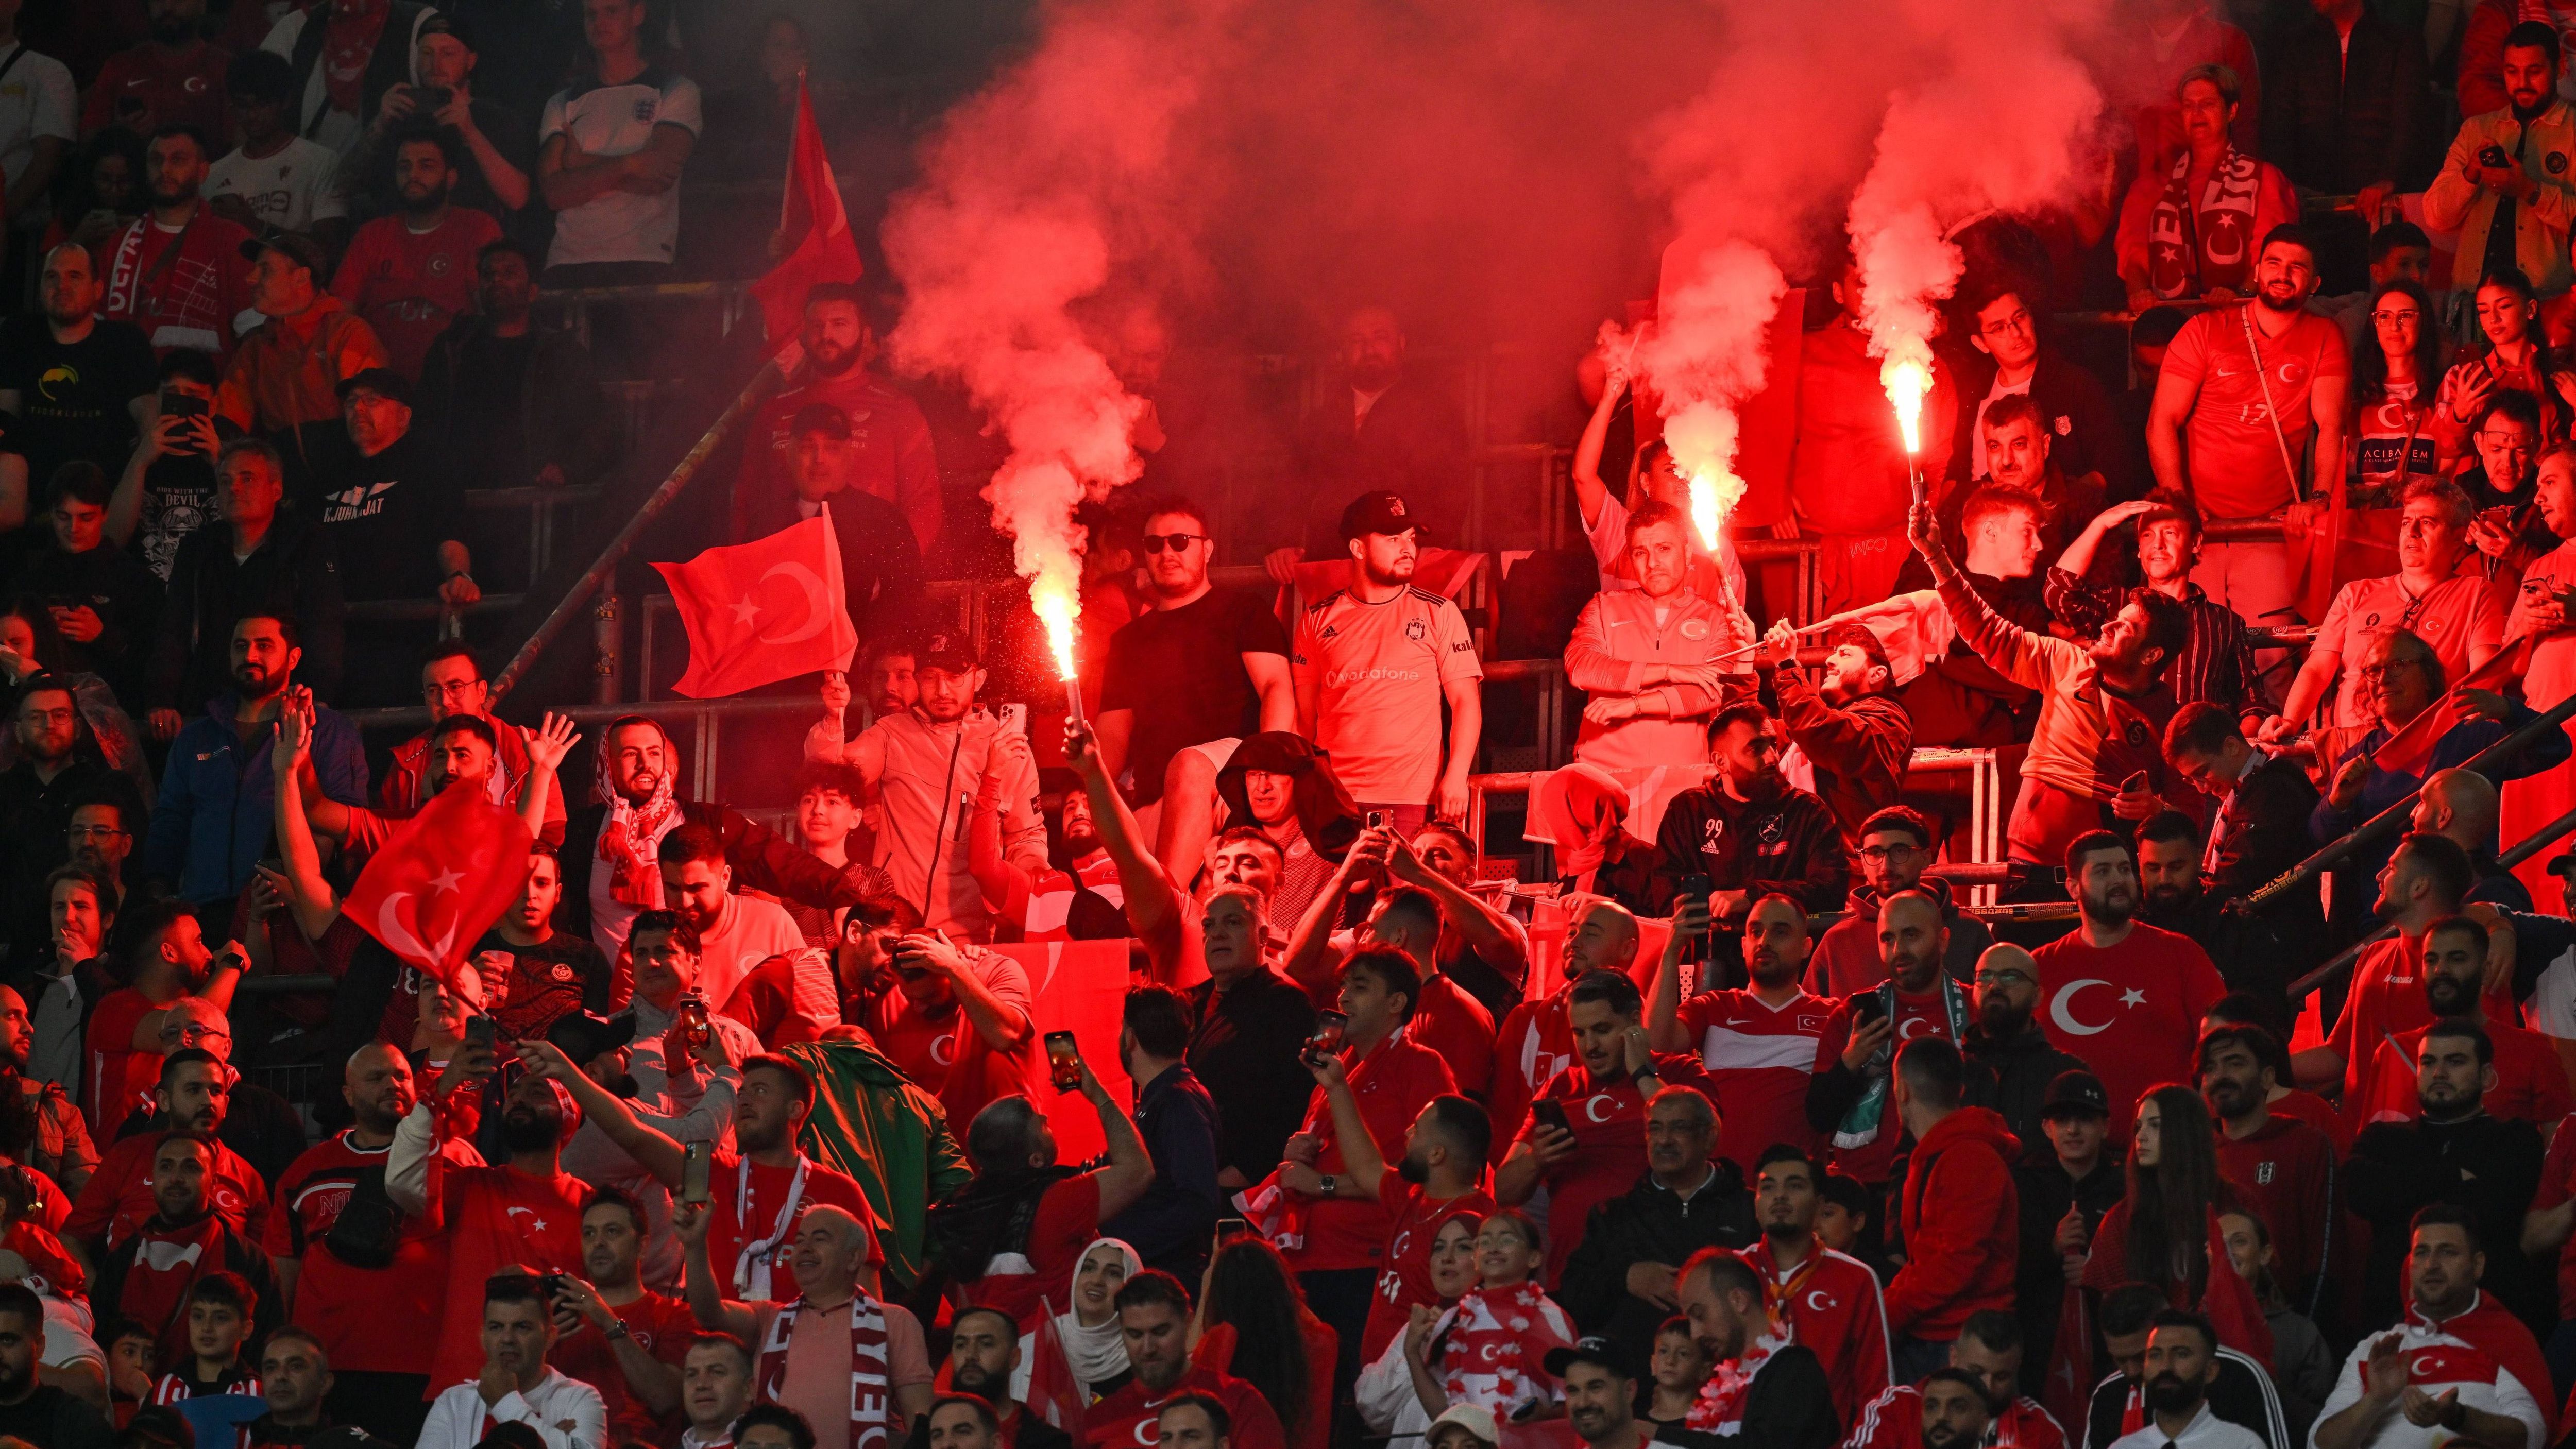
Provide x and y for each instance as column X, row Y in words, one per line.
column 1747, row 1123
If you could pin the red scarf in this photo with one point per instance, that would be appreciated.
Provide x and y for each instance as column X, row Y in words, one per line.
column 1497, row 1338
column 348, row 44
column 871, row 1391
column 167, row 1263
column 2196, row 244
column 631, row 838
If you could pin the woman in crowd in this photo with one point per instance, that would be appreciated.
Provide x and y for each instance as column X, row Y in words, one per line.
column 1092, row 1342
column 2516, row 358
column 2303, row 1367
column 2165, row 1231
column 1481, row 1357
column 1253, row 1323
column 2394, row 374
column 1388, row 1401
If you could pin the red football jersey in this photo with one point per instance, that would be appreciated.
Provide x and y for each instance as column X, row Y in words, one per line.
column 2531, row 1083
column 2131, row 1011
column 1833, row 1306
column 495, row 1216
column 117, row 1078
column 118, row 1196
column 1759, row 1059
column 1128, row 1419
column 368, row 1319
column 409, row 285
column 1068, row 1218
column 1415, row 1221
column 1535, row 1042
column 1894, row 1420
column 1392, row 1085
column 662, row 1326
column 1609, row 1125
column 756, row 1198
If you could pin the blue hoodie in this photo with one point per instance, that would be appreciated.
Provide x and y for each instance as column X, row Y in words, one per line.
column 218, row 799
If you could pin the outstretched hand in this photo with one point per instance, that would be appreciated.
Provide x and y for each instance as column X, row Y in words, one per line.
column 550, row 741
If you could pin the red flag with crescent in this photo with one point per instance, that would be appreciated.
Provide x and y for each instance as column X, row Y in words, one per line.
column 763, row 611
column 441, row 882
column 815, row 228
column 2409, row 751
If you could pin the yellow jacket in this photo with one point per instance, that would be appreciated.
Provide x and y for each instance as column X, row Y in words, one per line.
column 2454, row 202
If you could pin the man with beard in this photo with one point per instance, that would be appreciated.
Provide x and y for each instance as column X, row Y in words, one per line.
column 2217, row 665
column 510, row 399
column 893, row 459
column 2456, row 1154
column 1203, row 669
column 2458, row 1367
column 367, row 1320
column 79, row 384
column 1154, row 1321
column 214, row 815
column 1988, row 1355
column 1774, row 1390
column 758, row 1193
column 1756, row 1042
column 193, row 1093
column 2463, row 804
column 1536, row 1039
column 2240, row 1392
column 1749, row 831
column 527, row 1210
column 256, row 559
column 2064, row 1184
column 1850, row 1097
column 38, row 792
column 880, row 567
column 1440, row 1176
column 174, row 74
column 1953, row 1411
column 1650, row 688
column 2425, row 880
column 1896, row 846
column 1012, row 1237
column 2211, row 406
column 2175, row 896
column 1850, row 729
column 2103, row 705
column 2182, row 1363
column 393, row 512
column 514, row 1383
column 257, row 1123
column 2014, row 451
column 70, row 975
column 46, row 1131
column 147, row 1275
column 177, row 271
column 2125, row 996
column 1388, row 428
column 955, row 1018
column 1831, row 1300
column 1371, row 680
column 2529, row 1083
column 921, row 763
column 716, row 1386
column 2496, row 188
column 2283, row 1168
column 1618, row 1279
column 983, row 1355
column 737, row 932
column 857, row 1368
column 1581, row 1137
column 628, row 1341
column 2011, row 1062
column 1601, row 1396
column 166, row 960
column 411, row 274
column 1424, row 886
column 2456, row 611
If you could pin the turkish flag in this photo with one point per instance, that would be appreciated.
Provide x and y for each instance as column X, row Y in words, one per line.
column 1055, row 1395
column 763, row 611
column 436, row 887
column 2068, row 1395
column 2410, row 750
column 816, row 226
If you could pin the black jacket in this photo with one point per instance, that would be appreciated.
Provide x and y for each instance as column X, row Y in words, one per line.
column 1791, row 1403
column 2250, row 952
column 126, row 595
column 1648, row 1224
column 1791, row 845
column 2242, row 1394
column 1243, row 1049
column 2486, row 1165
column 1859, row 750
column 762, row 860
column 880, row 563
column 560, row 419
column 294, row 571
column 1413, row 443
column 2084, row 431
column 2043, row 1192
column 1169, row 1226
column 2336, row 120
column 35, row 825
column 2011, row 1075
column 2265, row 831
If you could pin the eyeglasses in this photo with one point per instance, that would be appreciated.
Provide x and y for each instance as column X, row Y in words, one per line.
column 2017, row 322
column 1176, row 542
column 2382, row 671
column 2003, row 978
column 2408, row 316
column 453, row 689
column 1888, row 852
column 2504, row 442
column 95, row 832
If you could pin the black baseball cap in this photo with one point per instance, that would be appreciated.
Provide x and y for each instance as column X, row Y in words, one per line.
column 384, row 382
column 947, row 652
column 304, row 250
column 2558, row 864
column 583, row 1035
column 1594, row 1349
column 2075, row 1092
column 1380, row 512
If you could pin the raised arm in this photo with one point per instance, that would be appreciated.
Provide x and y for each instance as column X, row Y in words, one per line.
column 1590, row 492
column 1496, row 937
column 1131, row 1169
column 1002, row 1025
column 2078, row 558
column 1664, row 1028
column 1157, row 908
column 315, row 904
column 1308, row 948
column 698, row 1282
column 547, row 746
column 657, row 1153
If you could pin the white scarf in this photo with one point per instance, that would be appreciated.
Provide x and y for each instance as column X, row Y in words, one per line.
column 751, row 1267
column 1096, row 1355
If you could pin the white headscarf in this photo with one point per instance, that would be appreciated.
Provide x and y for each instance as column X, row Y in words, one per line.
column 1098, row 1354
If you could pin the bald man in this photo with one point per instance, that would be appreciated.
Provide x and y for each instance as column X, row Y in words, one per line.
column 2010, row 1060
column 1848, row 1098
column 258, row 1123
column 1536, row 1040
column 2461, row 804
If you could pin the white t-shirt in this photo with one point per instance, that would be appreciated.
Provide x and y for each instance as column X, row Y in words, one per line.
column 1375, row 672
column 293, row 189
column 618, row 120
column 37, row 98
column 749, row 932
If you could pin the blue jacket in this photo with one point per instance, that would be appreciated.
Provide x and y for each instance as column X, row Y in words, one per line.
column 219, row 798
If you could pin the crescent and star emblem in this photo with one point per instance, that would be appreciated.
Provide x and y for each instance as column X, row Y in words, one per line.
column 2061, row 1007
column 818, row 615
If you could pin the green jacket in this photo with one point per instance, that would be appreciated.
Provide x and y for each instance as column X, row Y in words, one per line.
column 871, row 1122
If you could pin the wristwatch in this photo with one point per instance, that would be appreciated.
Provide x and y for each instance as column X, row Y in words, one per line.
column 1328, row 1185
column 617, row 1329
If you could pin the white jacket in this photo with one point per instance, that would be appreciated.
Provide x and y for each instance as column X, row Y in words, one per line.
column 567, row 1412
column 1386, row 1400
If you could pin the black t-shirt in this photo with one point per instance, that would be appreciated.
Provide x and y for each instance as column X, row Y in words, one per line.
column 74, row 400
column 53, row 1419
column 490, row 433
column 387, row 515
column 1181, row 671
column 178, row 499
column 558, row 976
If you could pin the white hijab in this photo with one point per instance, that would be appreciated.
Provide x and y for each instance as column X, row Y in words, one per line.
column 1097, row 1354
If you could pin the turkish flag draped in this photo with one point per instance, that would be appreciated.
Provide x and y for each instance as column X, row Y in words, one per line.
column 2069, row 1394
column 437, row 886
column 811, row 217
column 1055, row 1395
column 2410, row 750
column 763, row 611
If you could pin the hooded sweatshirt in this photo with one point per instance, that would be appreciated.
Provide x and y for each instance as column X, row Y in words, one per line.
column 1960, row 1218
column 1846, row 958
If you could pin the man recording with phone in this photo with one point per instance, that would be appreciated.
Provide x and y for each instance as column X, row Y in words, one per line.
column 612, row 1332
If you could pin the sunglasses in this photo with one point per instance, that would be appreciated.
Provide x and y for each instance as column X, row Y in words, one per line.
column 1176, row 542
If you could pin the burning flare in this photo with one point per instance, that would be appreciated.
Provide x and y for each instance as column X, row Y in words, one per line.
column 1705, row 514
column 1907, row 382
column 1702, row 438
column 1057, row 601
